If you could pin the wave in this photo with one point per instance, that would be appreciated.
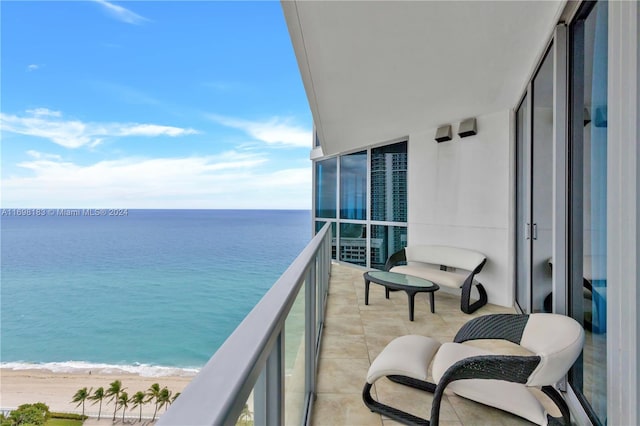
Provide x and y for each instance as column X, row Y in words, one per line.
column 144, row 370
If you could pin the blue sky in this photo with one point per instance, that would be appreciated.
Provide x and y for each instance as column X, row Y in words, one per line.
column 143, row 104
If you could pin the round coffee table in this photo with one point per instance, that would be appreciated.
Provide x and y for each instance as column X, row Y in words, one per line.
column 407, row 283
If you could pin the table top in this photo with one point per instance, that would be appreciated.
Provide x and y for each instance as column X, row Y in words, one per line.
column 397, row 279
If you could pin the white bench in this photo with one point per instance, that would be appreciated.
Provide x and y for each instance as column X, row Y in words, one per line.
column 446, row 266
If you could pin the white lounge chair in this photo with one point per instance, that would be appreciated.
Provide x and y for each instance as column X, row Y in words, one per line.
column 501, row 381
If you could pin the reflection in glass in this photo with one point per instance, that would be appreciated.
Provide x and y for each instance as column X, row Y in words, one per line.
column 389, row 183
column 353, row 243
column 326, row 186
column 353, row 186
column 386, row 240
column 588, row 281
column 246, row 416
column 319, row 225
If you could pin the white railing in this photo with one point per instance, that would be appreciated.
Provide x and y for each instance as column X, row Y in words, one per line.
column 273, row 353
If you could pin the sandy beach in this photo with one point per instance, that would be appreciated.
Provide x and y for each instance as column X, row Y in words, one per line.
column 57, row 389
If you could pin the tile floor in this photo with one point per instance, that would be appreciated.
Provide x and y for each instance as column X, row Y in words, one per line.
column 354, row 335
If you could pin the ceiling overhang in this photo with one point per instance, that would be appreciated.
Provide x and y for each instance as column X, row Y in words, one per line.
column 375, row 71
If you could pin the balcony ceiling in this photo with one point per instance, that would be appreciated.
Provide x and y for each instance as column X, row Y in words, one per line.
column 376, row 71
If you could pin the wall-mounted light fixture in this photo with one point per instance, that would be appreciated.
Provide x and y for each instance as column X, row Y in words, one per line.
column 443, row 133
column 467, row 128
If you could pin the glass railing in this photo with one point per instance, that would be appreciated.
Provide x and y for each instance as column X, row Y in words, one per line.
column 265, row 372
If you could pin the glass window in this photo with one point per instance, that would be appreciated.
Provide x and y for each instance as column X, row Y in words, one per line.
column 319, row 225
column 588, row 204
column 326, row 185
column 386, row 167
column 389, row 183
column 353, row 186
column 353, row 243
column 385, row 241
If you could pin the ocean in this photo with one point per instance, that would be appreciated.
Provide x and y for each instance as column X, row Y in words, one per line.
column 153, row 292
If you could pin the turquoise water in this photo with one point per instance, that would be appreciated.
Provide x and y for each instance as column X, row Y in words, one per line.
column 154, row 292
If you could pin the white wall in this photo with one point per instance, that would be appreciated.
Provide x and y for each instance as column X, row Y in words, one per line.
column 459, row 196
column 623, row 215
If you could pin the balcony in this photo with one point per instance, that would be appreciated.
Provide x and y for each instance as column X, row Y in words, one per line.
column 353, row 336
column 302, row 354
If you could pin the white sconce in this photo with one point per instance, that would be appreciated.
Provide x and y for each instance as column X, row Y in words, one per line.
column 443, row 133
column 467, row 128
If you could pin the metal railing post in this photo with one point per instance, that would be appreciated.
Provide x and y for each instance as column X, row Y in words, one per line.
column 269, row 389
column 260, row 400
column 310, row 331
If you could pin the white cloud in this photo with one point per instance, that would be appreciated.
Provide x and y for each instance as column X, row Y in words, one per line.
column 41, row 155
column 228, row 180
column 49, row 124
column 39, row 112
column 151, row 130
column 276, row 131
column 32, row 67
column 122, row 14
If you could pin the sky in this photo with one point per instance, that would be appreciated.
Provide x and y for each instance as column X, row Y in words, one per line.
column 142, row 104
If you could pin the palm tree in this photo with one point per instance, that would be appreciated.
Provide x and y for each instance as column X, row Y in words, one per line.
column 115, row 388
column 123, row 401
column 98, row 395
column 165, row 398
column 80, row 397
column 138, row 399
column 154, row 394
column 173, row 399
column 246, row 415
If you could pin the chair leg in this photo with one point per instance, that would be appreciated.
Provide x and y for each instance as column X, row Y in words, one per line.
column 557, row 399
column 390, row 412
column 435, row 405
column 465, row 305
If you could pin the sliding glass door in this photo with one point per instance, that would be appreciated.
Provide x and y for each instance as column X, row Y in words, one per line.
column 580, row 272
column 588, row 204
column 523, row 208
column 542, row 184
column 534, row 152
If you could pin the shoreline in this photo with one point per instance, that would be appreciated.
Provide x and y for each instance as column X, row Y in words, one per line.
column 56, row 389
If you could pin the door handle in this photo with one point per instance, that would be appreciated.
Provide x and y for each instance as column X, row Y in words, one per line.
column 527, row 231
column 534, row 231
